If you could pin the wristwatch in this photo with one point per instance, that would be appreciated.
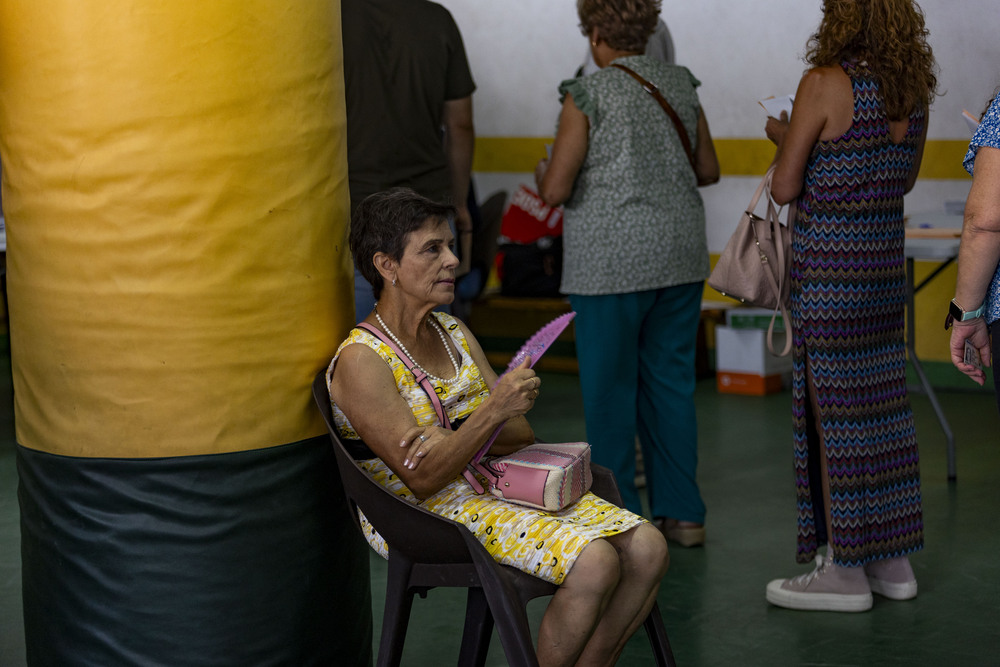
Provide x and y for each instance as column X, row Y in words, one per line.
column 957, row 314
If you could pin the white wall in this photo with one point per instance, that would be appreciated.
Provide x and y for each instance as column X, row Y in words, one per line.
column 742, row 51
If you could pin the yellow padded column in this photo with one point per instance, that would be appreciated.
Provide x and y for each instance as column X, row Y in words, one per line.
column 175, row 190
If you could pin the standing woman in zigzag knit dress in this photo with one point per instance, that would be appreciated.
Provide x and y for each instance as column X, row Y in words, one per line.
column 851, row 150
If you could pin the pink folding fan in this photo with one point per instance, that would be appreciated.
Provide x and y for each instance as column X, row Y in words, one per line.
column 535, row 346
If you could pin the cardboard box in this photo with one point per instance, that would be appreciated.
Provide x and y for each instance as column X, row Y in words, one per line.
column 748, row 383
column 746, row 317
column 745, row 351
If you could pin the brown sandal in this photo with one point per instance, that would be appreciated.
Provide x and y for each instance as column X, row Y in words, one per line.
column 684, row 533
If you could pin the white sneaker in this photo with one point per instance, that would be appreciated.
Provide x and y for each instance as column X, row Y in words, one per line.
column 827, row 588
column 892, row 578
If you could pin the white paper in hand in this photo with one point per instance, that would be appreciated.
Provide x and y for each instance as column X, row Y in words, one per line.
column 970, row 120
column 773, row 106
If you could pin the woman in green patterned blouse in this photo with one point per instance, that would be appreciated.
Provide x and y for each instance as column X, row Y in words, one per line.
column 636, row 257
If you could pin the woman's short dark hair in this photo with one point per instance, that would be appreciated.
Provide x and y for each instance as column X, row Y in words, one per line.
column 624, row 24
column 382, row 222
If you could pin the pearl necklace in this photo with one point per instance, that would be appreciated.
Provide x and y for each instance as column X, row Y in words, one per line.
column 444, row 340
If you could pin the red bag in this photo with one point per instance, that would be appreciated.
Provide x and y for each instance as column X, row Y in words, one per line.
column 529, row 260
column 528, row 218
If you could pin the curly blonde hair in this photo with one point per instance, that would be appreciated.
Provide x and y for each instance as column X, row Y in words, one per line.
column 890, row 35
column 624, row 24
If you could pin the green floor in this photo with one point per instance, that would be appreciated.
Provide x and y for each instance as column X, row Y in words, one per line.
column 713, row 598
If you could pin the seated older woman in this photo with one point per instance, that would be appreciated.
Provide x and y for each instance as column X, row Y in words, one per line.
column 607, row 561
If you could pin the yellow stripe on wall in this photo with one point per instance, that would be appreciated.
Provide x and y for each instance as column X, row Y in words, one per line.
column 737, row 157
column 744, row 157
column 943, row 159
column 513, row 155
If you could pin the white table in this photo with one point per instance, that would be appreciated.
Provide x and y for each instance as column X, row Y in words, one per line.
column 944, row 250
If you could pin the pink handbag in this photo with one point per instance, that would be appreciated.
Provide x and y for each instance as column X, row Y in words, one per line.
column 546, row 476
column 755, row 265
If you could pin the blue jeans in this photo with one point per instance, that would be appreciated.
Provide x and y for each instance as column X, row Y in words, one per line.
column 637, row 372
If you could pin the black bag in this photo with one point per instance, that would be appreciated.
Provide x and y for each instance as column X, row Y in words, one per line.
column 532, row 269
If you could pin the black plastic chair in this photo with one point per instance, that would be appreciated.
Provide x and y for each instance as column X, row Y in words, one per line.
column 427, row 550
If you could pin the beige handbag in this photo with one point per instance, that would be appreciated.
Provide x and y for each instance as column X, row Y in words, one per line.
column 754, row 268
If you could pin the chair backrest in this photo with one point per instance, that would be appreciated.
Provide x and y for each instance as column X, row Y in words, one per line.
column 424, row 537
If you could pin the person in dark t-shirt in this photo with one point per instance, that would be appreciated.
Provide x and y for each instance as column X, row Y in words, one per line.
column 409, row 92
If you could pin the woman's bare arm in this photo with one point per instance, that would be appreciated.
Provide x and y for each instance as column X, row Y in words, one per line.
column 978, row 256
column 364, row 388
column 516, row 433
column 823, row 109
column 554, row 178
column 706, row 162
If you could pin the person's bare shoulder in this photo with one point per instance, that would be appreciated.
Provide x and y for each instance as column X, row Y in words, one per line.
column 359, row 368
column 827, row 82
column 825, row 93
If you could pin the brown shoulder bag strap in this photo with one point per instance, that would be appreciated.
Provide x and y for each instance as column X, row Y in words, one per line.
column 650, row 88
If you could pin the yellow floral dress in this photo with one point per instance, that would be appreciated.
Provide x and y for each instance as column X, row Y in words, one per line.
column 545, row 544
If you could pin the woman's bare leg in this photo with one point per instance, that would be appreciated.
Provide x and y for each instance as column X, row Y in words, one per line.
column 576, row 608
column 644, row 561
column 823, row 459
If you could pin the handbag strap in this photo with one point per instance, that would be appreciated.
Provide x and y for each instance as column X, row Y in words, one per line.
column 651, row 88
column 788, row 331
column 418, row 374
column 762, row 187
column 421, row 377
column 778, row 266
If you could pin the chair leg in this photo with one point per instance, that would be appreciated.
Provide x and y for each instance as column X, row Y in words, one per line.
column 478, row 629
column 511, row 618
column 658, row 638
column 396, row 616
